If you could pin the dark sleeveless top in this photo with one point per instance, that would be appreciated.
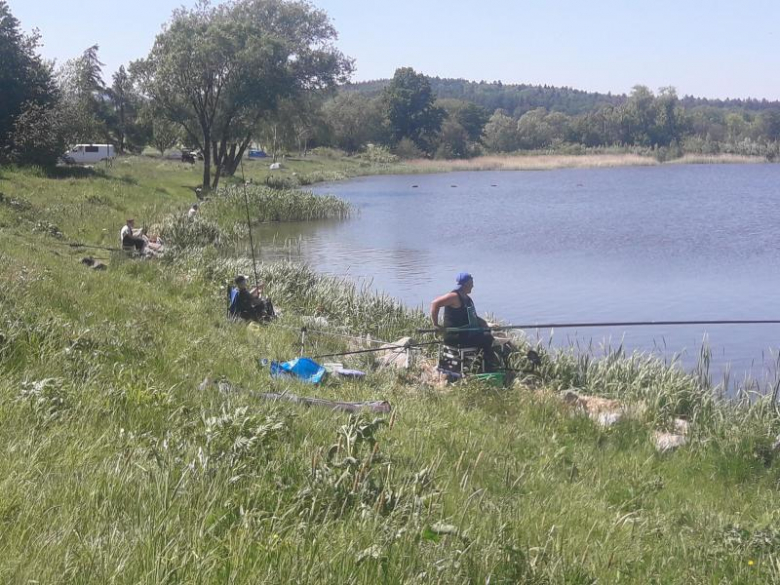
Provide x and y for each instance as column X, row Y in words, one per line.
column 457, row 318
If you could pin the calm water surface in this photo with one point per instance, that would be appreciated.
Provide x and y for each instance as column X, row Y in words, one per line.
column 627, row 244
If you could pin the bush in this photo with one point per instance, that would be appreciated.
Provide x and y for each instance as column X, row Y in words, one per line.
column 37, row 138
column 379, row 154
column 406, row 149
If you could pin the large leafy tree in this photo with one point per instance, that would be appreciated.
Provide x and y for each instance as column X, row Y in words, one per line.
column 128, row 127
column 461, row 131
column 410, row 109
column 165, row 134
column 768, row 125
column 26, row 85
column 353, row 120
column 86, row 99
column 217, row 70
column 501, row 133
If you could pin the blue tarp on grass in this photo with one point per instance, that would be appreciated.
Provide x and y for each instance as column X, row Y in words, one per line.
column 304, row 369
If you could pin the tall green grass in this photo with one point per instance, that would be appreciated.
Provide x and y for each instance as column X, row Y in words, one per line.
column 267, row 204
column 120, row 465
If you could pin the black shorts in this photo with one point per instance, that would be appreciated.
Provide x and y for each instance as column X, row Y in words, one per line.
column 137, row 243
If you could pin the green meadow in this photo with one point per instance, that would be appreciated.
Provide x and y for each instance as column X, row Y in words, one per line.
column 136, row 446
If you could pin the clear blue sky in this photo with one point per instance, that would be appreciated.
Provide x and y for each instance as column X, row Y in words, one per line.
column 709, row 48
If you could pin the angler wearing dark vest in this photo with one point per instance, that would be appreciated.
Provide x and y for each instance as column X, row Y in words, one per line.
column 459, row 312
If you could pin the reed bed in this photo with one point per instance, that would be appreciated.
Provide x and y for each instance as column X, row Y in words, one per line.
column 711, row 159
column 267, row 204
column 535, row 162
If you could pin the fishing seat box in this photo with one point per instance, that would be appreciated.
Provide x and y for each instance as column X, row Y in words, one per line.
column 460, row 360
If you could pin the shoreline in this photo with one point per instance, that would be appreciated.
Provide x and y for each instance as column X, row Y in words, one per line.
column 315, row 169
column 541, row 162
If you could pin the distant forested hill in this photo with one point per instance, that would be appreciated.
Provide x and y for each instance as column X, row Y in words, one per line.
column 518, row 99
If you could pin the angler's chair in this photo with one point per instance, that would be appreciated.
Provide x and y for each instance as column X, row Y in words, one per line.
column 461, row 360
column 232, row 301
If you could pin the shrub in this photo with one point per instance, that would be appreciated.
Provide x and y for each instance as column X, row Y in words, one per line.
column 406, row 149
column 37, row 139
column 378, row 154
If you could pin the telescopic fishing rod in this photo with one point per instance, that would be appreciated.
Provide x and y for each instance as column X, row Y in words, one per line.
column 605, row 324
column 249, row 224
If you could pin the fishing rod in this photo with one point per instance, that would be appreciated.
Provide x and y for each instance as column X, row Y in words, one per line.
column 69, row 244
column 375, row 349
column 249, row 224
column 77, row 245
column 604, row 324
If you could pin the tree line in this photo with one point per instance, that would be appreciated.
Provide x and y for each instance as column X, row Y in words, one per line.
column 542, row 118
column 220, row 78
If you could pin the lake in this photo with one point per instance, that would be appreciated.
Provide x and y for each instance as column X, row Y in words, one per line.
column 671, row 242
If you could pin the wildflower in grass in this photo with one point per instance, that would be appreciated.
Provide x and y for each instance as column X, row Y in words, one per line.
column 751, row 562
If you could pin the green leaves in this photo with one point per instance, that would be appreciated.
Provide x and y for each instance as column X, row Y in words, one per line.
column 217, row 70
column 410, row 110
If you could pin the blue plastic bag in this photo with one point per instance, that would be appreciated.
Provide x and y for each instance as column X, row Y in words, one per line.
column 304, row 369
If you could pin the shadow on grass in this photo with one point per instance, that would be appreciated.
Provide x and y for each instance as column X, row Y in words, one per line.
column 77, row 172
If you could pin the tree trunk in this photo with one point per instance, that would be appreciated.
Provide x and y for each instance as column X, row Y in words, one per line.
column 273, row 143
column 230, row 161
column 215, row 152
column 206, row 159
column 234, row 158
column 219, row 161
column 122, row 127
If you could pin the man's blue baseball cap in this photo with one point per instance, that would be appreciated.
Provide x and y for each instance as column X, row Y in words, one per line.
column 463, row 278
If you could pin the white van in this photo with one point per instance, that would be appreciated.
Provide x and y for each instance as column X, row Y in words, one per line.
column 89, row 153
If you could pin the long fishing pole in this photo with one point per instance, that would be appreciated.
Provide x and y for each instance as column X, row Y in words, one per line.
column 249, row 224
column 68, row 244
column 376, row 349
column 604, row 324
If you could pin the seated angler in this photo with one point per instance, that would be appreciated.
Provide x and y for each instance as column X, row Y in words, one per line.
column 459, row 312
column 131, row 237
column 249, row 304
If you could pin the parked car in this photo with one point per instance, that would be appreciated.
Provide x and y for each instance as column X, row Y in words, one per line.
column 190, row 156
column 89, row 153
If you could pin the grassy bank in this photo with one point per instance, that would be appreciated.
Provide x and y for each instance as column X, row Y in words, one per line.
column 121, row 466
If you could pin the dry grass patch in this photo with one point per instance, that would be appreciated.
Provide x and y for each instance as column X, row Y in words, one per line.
column 714, row 159
column 535, row 162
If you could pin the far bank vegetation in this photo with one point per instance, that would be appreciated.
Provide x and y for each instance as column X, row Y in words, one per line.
column 270, row 77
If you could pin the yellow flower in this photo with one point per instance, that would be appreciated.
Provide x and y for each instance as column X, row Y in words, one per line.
column 751, row 562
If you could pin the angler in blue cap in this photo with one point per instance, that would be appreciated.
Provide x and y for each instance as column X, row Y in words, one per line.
column 459, row 312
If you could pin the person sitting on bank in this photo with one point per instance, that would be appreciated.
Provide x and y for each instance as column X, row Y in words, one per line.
column 459, row 312
column 249, row 304
column 131, row 237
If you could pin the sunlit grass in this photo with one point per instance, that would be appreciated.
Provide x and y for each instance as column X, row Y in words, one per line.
column 120, row 465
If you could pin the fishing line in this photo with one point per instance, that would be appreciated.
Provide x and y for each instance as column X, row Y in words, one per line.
column 27, row 239
column 249, row 224
column 375, row 349
column 605, row 324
